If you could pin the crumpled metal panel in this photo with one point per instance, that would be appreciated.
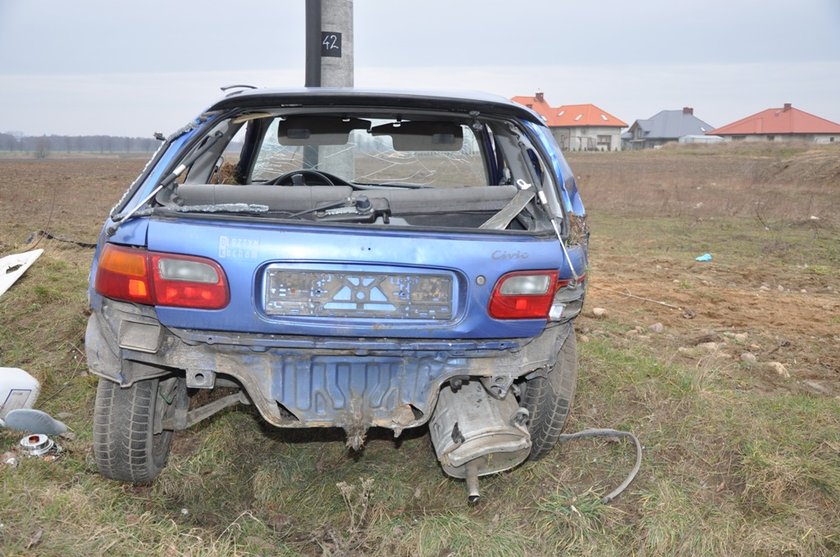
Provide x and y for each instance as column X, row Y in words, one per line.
column 359, row 391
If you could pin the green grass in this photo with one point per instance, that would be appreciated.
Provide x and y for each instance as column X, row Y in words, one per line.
column 726, row 471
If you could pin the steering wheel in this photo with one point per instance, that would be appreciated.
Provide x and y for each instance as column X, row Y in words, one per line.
column 307, row 178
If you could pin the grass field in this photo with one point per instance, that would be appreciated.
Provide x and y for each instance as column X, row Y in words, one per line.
column 741, row 457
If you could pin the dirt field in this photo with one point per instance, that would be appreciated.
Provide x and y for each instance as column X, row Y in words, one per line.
column 728, row 370
column 771, row 221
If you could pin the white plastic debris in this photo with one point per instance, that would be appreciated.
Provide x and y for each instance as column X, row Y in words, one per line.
column 34, row 421
column 18, row 389
column 18, row 394
column 13, row 266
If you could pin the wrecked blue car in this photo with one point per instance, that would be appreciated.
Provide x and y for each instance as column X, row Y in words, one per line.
column 343, row 258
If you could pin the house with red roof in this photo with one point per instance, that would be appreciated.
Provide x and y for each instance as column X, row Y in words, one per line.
column 577, row 127
column 781, row 124
column 537, row 103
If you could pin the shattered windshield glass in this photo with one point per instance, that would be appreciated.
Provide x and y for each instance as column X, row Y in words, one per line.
column 370, row 156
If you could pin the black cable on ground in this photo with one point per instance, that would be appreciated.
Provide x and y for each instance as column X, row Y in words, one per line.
column 611, row 433
column 47, row 235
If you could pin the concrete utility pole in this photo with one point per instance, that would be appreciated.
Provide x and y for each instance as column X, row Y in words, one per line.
column 329, row 63
column 313, row 44
column 336, row 43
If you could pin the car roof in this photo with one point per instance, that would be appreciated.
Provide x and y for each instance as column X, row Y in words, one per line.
column 461, row 102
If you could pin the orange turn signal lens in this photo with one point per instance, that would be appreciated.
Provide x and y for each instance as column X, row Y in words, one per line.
column 161, row 279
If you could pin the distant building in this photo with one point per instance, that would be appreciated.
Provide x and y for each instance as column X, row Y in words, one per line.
column 664, row 127
column 578, row 127
column 585, row 127
column 537, row 103
column 702, row 139
column 781, row 124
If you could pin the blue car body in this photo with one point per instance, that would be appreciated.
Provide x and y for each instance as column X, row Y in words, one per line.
column 332, row 313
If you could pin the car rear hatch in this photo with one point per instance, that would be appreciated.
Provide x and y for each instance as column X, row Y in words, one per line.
column 354, row 281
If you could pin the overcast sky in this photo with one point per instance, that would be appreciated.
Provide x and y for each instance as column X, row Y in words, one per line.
column 135, row 67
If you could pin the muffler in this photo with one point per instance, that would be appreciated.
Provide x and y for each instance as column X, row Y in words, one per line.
column 476, row 435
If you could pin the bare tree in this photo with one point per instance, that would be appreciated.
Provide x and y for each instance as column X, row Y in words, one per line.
column 42, row 147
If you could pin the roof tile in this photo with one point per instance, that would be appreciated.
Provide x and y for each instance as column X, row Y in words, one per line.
column 579, row 115
column 782, row 121
column 569, row 115
column 670, row 124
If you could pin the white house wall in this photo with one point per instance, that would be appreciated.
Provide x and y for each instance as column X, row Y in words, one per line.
column 821, row 139
column 586, row 138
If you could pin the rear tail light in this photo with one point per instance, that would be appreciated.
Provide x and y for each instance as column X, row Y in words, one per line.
column 163, row 279
column 523, row 295
column 123, row 274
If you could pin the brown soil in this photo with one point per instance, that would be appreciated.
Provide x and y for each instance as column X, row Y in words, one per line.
column 777, row 298
column 67, row 197
column 730, row 308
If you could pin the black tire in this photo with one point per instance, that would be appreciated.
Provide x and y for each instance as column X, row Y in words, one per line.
column 549, row 399
column 125, row 446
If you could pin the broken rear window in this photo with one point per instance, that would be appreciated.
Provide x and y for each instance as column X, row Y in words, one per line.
column 373, row 151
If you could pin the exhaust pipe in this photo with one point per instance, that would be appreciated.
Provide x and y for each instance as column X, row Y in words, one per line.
column 472, row 483
column 476, row 435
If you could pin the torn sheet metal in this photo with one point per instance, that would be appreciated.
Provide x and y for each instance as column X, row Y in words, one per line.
column 13, row 266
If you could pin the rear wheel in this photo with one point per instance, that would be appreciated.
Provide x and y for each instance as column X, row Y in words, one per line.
column 549, row 399
column 129, row 443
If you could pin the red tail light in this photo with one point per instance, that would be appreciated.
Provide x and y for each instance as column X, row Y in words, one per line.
column 523, row 295
column 123, row 274
column 163, row 279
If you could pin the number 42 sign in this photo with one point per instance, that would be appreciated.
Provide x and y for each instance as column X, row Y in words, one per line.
column 331, row 44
